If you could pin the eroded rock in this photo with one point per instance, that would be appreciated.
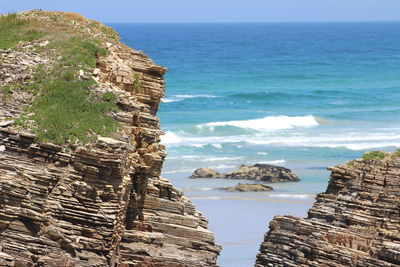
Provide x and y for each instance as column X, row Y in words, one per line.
column 258, row 172
column 355, row 222
column 249, row 188
column 103, row 204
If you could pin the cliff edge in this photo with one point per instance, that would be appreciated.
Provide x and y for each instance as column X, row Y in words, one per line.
column 76, row 196
column 356, row 222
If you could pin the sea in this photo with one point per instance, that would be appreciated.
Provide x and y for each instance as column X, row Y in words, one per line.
column 300, row 95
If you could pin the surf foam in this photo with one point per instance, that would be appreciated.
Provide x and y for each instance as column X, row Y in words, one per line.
column 269, row 123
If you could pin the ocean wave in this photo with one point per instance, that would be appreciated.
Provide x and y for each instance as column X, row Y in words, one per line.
column 222, row 158
column 170, row 138
column 194, row 96
column 269, row 123
column 177, row 98
column 274, row 162
column 194, row 189
column 365, row 142
column 298, row 196
column 179, row 171
column 218, row 146
column 203, row 158
column 169, row 100
column 352, row 141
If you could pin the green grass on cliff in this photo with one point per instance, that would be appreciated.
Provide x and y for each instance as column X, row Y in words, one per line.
column 377, row 155
column 65, row 109
column 13, row 30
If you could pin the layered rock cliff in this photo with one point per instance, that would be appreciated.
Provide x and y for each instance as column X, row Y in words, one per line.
column 356, row 222
column 103, row 203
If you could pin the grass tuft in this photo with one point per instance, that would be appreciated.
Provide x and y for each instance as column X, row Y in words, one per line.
column 14, row 29
column 397, row 153
column 376, row 155
column 137, row 85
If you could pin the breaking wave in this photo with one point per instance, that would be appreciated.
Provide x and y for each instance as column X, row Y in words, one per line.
column 269, row 123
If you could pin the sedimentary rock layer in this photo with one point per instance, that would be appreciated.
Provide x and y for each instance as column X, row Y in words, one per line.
column 356, row 222
column 103, row 204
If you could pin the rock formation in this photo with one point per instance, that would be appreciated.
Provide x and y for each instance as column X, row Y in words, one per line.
column 258, row 172
column 102, row 204
column 248, row 188
column 356, row 222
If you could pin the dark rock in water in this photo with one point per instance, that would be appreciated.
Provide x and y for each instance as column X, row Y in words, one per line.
column 258, row 172
column 249, row 188
column 205, row 173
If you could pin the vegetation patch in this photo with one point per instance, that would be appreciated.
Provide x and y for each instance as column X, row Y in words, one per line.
column 109, row 32
column 6, row 92
column 397, row 153
column 376, row 155
column 137, row 85
column 14, row 29
column 65, row 110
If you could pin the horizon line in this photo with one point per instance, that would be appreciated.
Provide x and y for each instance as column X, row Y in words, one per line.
column 249, row 22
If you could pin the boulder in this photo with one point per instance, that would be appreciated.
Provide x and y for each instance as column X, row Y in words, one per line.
column 205, row 173
column 258, row 172
column 248, row 188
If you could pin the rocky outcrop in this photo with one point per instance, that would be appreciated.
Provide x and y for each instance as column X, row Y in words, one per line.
column 102, row 204
column 206, row 173
column 248, row 188
column 356, row 222
column 258, row 172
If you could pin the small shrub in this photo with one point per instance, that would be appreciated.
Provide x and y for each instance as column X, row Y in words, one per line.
column 377, row 155
column 397, row 153
column 55, row 17
column 109, row 32
column 6, row 92
column 137, row 85
column 109, row 97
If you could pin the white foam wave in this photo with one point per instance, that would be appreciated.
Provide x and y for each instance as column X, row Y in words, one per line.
column 274, row 162
column 223, row 158
column 169, row 100
column 179, row 171
column 170, row 138
column 262, row 153
column 269, row 123
column 298, row 196
column 176, row 98
column 194, row 96
column 223, row 166
column 352, row 141
column 218, row 146
column 206, row 188
column 204, row 158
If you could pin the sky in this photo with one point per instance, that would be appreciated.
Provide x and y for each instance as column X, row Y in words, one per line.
column 217, row 10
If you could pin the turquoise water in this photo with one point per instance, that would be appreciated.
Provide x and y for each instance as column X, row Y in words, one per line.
column 305, row 96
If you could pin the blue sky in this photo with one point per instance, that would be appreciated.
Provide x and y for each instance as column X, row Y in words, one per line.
column 218, row 10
